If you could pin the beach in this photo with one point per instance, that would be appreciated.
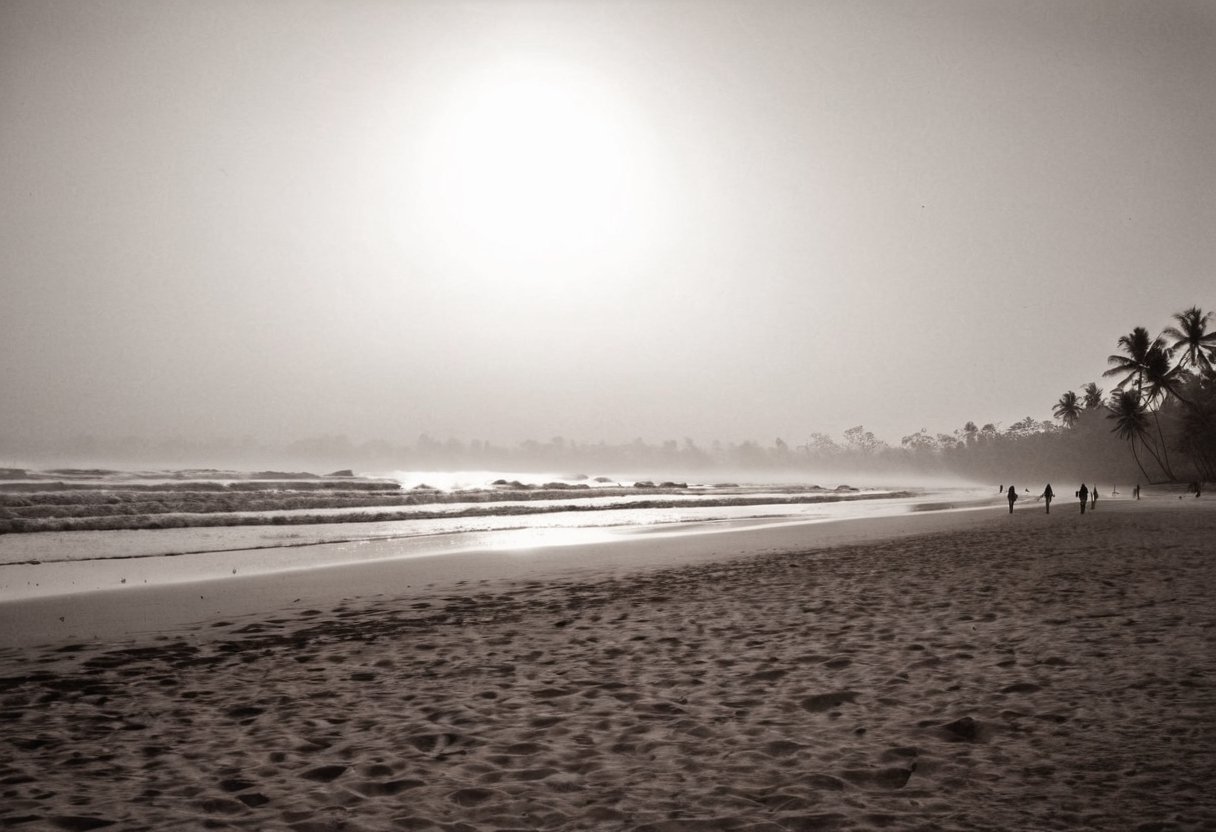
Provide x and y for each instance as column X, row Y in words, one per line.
column 990, row 671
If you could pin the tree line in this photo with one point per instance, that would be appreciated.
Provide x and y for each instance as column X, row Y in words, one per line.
column 1164, row 403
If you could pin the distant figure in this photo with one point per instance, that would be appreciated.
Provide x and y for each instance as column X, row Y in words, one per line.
column 1002, row 491
column 1048, row 496
column 1093, row 499
column 1193, row 487
column 1136, row 491
column 1013, row 497
column 1083, row 493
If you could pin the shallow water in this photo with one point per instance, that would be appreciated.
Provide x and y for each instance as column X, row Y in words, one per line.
column 54, row 563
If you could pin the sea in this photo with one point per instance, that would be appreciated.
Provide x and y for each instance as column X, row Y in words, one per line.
column 53, row 563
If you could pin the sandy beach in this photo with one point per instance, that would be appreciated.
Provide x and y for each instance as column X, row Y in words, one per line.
column 1018, row 672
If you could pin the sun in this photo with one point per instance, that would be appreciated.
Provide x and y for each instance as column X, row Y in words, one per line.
column 532, row 162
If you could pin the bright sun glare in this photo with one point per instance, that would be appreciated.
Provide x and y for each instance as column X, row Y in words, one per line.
column 532, row 162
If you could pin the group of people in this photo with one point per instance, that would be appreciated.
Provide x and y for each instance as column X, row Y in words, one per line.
column 1084, row 494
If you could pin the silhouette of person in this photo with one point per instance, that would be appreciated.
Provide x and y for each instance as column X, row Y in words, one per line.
column 1136, row 491
column 1048, row 496
column 1093, row 499
column 1002, row 491
column 1013, row 497
column 1083, row 493
column 1194, row 487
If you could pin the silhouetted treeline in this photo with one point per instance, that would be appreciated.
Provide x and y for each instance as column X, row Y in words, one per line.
column 1026, row 450
column 1164, row 404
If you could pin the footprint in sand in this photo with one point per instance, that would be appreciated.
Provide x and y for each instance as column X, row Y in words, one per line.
column 388, row 788
column 881, row 778
column 75, row 823
column 962, row 730
column 324, row 774
column 439, row 743
column 1021, row 687
column 827, row 701
column 474, row 796
column 781, row 748
column 244, row 712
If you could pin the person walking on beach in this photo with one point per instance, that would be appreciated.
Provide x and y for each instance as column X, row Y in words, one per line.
column 1093, row 499
column 1013, row 497
column 1136, row 491
column 1083, row 493
column 1048, row 495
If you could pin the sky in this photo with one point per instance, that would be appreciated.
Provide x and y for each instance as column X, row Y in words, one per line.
column 599, row 220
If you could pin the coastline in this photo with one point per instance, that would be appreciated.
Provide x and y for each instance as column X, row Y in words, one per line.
column 135, row 611
column 1040, row 673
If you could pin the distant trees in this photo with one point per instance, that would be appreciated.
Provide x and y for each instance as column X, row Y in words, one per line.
column 1165, row 399
column 1068, row 409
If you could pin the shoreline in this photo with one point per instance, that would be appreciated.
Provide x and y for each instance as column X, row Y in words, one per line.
column 137, row 611
column 1022, row 672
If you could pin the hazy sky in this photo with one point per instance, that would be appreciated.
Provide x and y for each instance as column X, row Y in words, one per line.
column 505, row 220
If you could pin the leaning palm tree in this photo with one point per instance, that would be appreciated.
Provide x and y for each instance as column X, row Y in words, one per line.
column 1131, row 423
column 1068, row 409
column 1093, row 396
column 1196, row 347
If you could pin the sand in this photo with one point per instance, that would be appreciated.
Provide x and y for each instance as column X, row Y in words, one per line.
column 1022, row 672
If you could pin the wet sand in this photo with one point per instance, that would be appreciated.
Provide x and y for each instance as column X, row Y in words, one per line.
column 1012, row 672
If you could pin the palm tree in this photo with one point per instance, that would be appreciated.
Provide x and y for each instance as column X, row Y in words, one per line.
column 1160, row 377
column 1131, row 423
column 1196, row 347
column 1146, row 361
column 1093, row 396
column 1131, row 365
column 1068, row 409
